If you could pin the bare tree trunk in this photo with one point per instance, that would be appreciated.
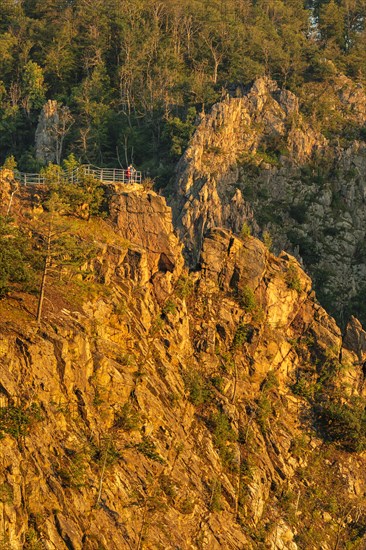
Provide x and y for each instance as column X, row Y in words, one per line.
column 11, row 201
column 44, row 276
column 103, row 472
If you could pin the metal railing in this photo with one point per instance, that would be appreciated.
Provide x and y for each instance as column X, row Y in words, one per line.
column 29, row 179
column 105, row 175
column 113, row 175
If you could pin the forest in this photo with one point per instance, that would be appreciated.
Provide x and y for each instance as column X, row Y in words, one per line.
column 134, row 74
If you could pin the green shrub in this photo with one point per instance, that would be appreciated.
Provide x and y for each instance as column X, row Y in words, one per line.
column 221, row 428
column 199, row 389
column 242, row 335
column 268, row 157
column 304, row 387
column 222, row 433
column 271, row 382
column 245, row 231
column 264, row 412
column 156, row 325
column 169, row 307
column 17, row 421
column 187, row 505
column 217, row 382
column 148, row 448
column 184, row 287
column 214, row 149
column 120, row 308
column 33, row 541
column 247, row 299
column 299, row 446
column 292, row 278
column 16, row 257
column 227, row 362
column 73, row 473
column 267, row 239
column 265, row 403
column 106, row 454
column 344, row 423
column 126, row 359
column 168, row 487
column 82, row 198
column 216, row 497
column 127, row 418
column 6, row 493
column 339, row 419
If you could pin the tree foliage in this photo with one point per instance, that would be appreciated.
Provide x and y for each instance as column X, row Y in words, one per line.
column 134, row 73
column 15, row 256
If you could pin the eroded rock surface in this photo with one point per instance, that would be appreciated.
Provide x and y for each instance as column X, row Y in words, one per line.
column 54, row 123
column 184, row 421
column 257, row 160
column 235, row 130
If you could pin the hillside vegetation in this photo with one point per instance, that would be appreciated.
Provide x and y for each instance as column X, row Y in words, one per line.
column 135, row 73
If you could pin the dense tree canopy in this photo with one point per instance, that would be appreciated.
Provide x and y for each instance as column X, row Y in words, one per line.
column 132, row 71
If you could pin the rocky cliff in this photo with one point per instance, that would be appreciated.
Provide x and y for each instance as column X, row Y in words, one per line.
column 160, row 409
column 259, row 159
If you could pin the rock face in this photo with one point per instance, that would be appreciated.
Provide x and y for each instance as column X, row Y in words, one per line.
column 45, row 133
column 54, row 123
column 319, row 212
column 235, row 130
column 192, row 421
column 144, row 219
column 355, row 339
column 257, row 157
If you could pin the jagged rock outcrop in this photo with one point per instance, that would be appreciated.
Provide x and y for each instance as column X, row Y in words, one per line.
column 355, row 339
column 45, row 133
column 235, row 130
column 54, row 123
column 142, row 218
column 194, row 422
column 256, row 159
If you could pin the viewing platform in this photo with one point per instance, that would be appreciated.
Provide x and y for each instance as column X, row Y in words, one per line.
column 105, row 175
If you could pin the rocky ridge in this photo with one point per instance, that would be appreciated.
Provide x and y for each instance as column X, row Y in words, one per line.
column 178, row 410
column 256, row 159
